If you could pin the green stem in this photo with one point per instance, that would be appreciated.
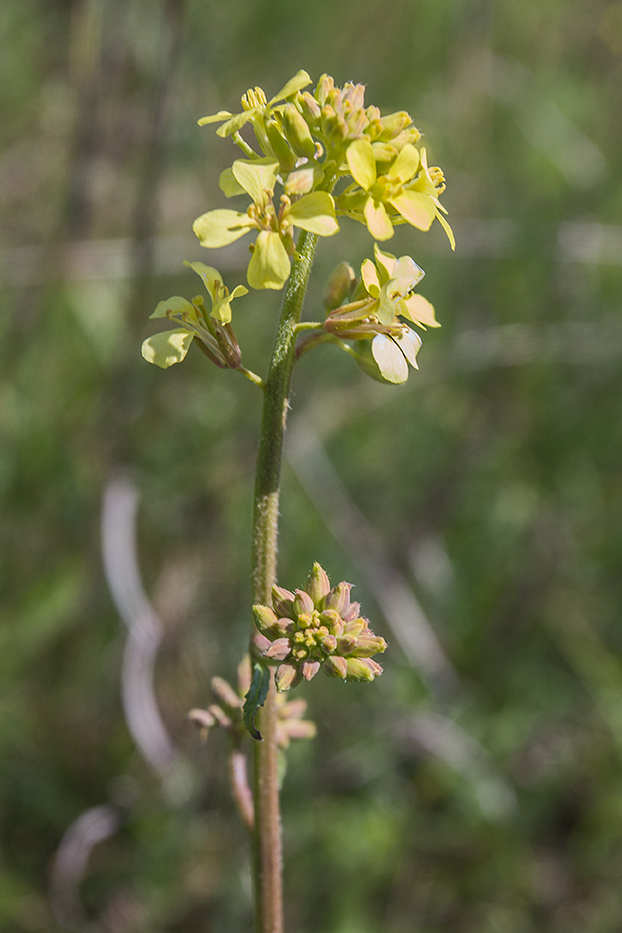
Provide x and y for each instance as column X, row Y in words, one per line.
column 267, row 832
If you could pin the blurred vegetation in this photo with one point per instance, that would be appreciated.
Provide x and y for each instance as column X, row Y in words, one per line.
column 484, row 801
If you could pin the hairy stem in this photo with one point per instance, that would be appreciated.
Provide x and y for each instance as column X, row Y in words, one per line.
column 267, row 832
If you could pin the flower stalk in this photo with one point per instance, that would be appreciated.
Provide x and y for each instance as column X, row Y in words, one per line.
column 267, row 831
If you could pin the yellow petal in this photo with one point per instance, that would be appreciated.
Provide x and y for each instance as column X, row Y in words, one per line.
column 415, row 207
column 406, row 164
column 209, row 275
column 385, row 262
column 301, row 79
column 228, row 184
column 167, row 348
column 447, row 229
column 314, row 212
column 390, row 359
column 419, row 310
column 221, row 227
column 215, row 117
column 361, row 162
column 256, row 178
column 369, row 274
column 175, row 305
column 378, row 221
column 409, row 343
column 269, row 266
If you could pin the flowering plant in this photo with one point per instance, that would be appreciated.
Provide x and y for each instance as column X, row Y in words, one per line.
column 330, row 156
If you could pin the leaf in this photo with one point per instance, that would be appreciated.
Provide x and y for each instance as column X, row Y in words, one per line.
column 255, row 698
column 167, row 348
column 314, row 212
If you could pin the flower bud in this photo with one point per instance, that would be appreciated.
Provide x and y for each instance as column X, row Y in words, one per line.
column 352, row 612
column 225, row 693
column 362, row 669
column 355, row 627
column 339, row 286
column 309, row 669
column 265, row 618
column 303, row 603
column 324, row 85
column 297, row 132
column 310, row 108
column 332, row 620
column 286, row 677
column 285, row 627
column 329, row 643
column 335, row 666
column 318, row 584
column 279, row 145
column 339, row 598
column 368, row 645
column 282, row 601
column 346, row 644
column 278, row 650
column 259, row 643
column 394, row 123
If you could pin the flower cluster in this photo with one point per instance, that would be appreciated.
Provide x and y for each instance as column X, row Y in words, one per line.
column 316, row 627
column 384, row 345
column 227, row 712
column 213, row 330
column 308, row 142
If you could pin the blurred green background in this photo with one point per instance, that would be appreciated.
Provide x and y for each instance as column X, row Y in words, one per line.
column 477, row 786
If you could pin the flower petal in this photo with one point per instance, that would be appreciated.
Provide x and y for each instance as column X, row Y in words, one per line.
column 301, row 79
column 314, row 212
column 447, row 229
column 236, row 122
column 385, row 263
column 390, row 359
column 269, row 266
column 405, row 166
column 361, row 162
column 378, row 221
column 209, row 275
column 406, row 274
column 228, row 184
column 167, row 348
column 419, row 310
column 409, row 343
column 221, row 227
column 175, row 305
column 256, row 178
column 215, row 117
column 369, row 275
column 415, row 207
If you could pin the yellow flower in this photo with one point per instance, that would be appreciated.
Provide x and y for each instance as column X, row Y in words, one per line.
column 255, row 107
column 269, row 266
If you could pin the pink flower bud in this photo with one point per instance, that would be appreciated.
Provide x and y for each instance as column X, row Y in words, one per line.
column 286, row 677
column 318, row 584
column 309, row 669
column 335, row 666
column 265, row 618
column 282, row 601
column 278, row 650
column 339, row 598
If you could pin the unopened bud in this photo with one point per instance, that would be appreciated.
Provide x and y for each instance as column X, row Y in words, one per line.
column 282, row 601
column 332, row 620
column 318, row 584
column 225, row 693
column 329, row 643
column 259, row 643
column 297, row 132
column 303, row 603
column 310, row 108
column 309, row 669
column 324, row 85
column 355, row 627
column 368, row 645
column 352, row 612
column 280, row 147
column 335, row 666
column 285, row 627
column 362, row 669
column 394, row 123
column 278, row 650
column 265, row 618
column 339, row 286
column 286, row 677
column 346, row 643
column 339, row 598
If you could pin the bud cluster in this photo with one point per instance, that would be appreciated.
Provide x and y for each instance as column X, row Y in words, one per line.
column 314, row 628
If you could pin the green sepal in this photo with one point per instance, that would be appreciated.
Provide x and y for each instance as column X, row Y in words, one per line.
column 301, row 79
column 255, row 698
